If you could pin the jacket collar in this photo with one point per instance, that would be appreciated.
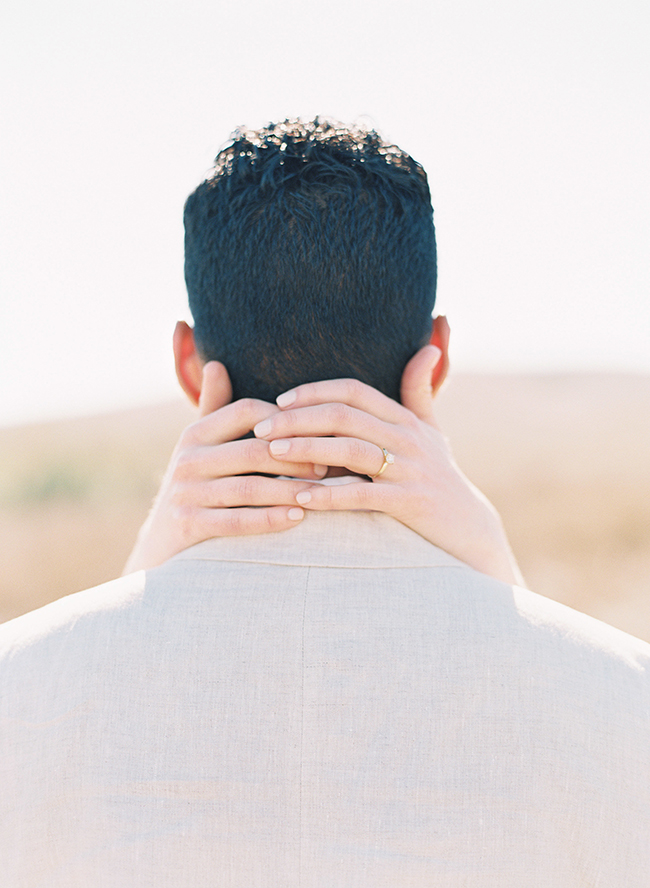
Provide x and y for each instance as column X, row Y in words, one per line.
column 330, row 539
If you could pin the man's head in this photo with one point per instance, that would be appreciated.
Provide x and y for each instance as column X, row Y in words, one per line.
column 310, row 254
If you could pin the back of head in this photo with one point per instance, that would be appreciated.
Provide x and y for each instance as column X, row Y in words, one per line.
column 310, row 254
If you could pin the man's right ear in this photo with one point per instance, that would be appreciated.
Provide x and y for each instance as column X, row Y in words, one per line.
column 440, row 338
column 207, row 386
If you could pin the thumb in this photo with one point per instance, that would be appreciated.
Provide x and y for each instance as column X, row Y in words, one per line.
column 216, row 389
column 416, row 392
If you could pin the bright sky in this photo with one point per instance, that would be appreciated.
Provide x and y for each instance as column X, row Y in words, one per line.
column 531, row 120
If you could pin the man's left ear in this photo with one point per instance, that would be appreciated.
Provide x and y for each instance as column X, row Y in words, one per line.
column 189, row 366
column 440, row 338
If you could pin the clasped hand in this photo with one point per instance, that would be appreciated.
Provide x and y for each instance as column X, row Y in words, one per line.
column 217, row 483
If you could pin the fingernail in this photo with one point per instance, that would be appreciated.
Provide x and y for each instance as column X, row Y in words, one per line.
column 278, row 447
column 303, row 497
column 287, row 398
column 436, row 353
column 320, row 470
column 262, row 429
column 296, row 514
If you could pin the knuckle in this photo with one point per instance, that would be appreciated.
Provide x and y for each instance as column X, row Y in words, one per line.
column 252, row 450
column 342, row 414
column 212, row 493
column 180, row 493
column 286, row 421
column 353, row 388
column 246, row 407
column 272, row 520
column 246, row 489
column 327, row 496
column 362, row 494
column 190, row 435
column 185, row 519
column 234, row 521
column 358, row 450
column 185, row 467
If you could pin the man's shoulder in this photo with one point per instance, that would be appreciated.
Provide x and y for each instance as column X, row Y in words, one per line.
column 356, row 563
column 593, row 662
column 351, row 562
column 54, row 624
column 564, row 624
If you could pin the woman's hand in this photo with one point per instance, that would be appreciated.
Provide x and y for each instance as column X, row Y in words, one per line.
column 213, row 488
column 213, row 481
column 346, row 423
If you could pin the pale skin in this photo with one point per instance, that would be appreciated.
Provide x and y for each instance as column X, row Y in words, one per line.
column 330, row 427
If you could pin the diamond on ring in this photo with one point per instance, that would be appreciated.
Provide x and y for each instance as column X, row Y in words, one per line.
column 389, row 459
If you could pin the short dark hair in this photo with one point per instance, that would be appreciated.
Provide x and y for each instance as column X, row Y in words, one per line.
column 310, row 254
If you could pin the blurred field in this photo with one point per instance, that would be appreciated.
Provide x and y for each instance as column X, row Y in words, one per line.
column 565, row 459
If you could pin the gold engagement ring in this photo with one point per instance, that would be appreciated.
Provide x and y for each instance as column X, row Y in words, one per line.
column 389, row 459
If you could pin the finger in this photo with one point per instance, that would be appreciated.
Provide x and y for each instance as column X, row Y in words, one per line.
column 354, row 454
column 228, row 423
column 329, row 420
column 345, row 391
column 216, row 390
column 416, row 391
column 246, row 490
column 238, row 458
column 241, row 522
column 354, row 496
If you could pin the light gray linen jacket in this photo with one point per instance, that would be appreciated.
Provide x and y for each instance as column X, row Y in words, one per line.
column 342, row 705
